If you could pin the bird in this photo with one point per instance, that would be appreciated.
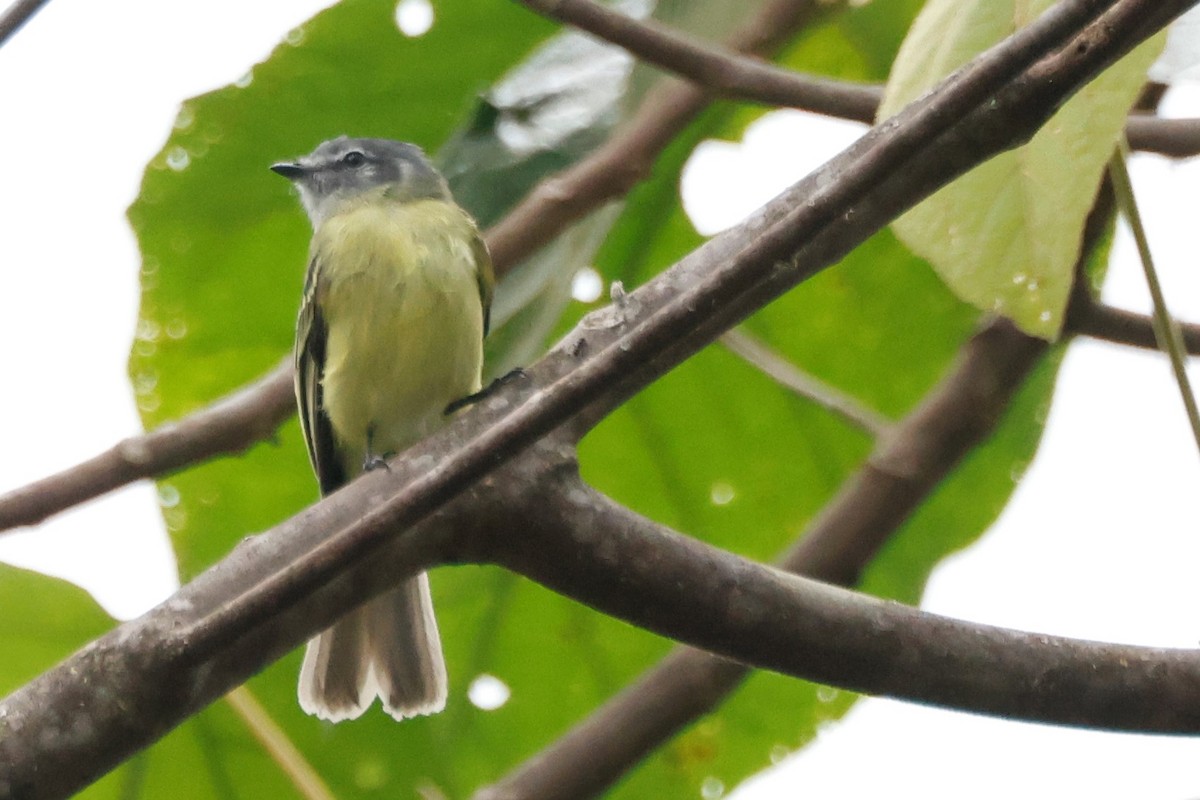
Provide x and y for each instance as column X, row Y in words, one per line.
column 390, row 333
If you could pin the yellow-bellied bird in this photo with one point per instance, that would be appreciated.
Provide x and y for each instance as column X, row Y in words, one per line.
column 390, row 332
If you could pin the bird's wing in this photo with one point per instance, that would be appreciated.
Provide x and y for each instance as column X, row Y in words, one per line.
column 485, row 276
column 311, row 336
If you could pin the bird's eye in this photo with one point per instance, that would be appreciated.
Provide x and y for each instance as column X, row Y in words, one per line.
column 354, row 159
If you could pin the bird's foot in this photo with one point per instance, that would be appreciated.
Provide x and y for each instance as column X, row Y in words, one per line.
column 374, row 461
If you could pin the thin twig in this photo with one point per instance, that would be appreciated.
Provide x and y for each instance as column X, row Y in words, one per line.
column 277, row 744
column 16, row 15
column 794, row 379
column 1165, row 327
column 721, row 71
column 1088, row 317
column 230, row 425
column 1175, row 138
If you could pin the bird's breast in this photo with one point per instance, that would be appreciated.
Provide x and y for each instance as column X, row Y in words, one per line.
column 400, row 297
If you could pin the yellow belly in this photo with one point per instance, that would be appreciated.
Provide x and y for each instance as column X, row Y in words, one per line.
column 402, row 308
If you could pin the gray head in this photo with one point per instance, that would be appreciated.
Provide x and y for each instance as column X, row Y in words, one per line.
column 345, row 169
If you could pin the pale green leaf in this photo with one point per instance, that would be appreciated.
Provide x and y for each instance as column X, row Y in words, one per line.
column 1005, row 236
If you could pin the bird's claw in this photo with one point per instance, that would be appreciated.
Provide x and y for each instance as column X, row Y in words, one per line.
column 373, row 462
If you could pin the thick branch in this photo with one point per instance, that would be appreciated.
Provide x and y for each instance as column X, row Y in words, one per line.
column 630, row 567
column 118, row 694
column 891, row 167
column 128, row 688
column 922, row 449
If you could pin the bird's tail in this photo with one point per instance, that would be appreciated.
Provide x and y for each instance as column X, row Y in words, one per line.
column 388, row 649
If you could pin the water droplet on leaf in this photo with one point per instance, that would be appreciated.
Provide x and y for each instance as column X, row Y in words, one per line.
column 712, row 788
column 721, row 493
column 168, row 495
column 178, row 159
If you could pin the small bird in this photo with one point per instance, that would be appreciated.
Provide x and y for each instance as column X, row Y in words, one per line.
column 390, row 333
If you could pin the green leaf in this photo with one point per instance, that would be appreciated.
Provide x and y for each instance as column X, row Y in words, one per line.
column 46, row 619
column 876, row 30
column 211, row 757
column 1005, row 236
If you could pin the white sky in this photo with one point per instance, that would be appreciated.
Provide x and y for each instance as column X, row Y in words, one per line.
column 1100, row 540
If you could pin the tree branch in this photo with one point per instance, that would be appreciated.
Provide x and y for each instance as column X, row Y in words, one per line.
column 1177, row 138
column 737, row 77
column 953, row 418
column 721, row 71
column 891, row 167
column 922, row 449
column 1088, row 317
column 228, row 426
column 16, row 15
column 129, row 687
column 609, row 558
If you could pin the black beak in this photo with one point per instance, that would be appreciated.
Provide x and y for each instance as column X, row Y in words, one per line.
column 290, row 170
